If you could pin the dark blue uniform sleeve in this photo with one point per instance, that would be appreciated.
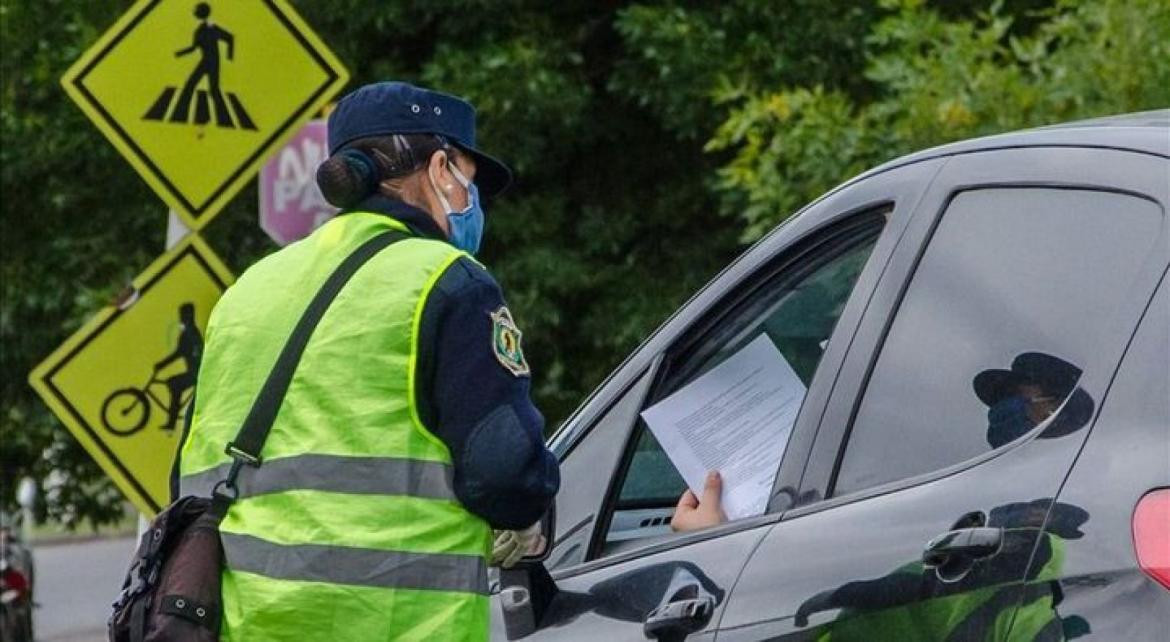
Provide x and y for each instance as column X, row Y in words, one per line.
column 479, row 407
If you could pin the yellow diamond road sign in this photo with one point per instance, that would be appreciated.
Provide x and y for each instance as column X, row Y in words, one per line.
column 197, row 94
column 122, row 382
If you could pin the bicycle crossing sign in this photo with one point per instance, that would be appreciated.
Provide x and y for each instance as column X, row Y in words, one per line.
column 195, row 95
column 122, row 382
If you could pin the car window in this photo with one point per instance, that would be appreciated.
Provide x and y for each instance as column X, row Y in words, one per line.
column 796, row 310
column 586, row 472
column 991, row 337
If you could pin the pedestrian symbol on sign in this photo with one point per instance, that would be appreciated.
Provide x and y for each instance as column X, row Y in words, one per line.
column 206, row 40
column 197, row 100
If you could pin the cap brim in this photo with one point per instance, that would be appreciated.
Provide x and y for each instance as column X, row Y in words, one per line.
column 993, row 385
column 492, row 177
column 1075, row 414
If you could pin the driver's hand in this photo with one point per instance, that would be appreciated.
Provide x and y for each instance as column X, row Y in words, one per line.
column 691, row 514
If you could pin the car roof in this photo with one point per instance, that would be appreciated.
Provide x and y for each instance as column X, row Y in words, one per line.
column 1144, row 132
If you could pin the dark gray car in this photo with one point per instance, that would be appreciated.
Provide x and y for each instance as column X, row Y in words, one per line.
column 983, row 449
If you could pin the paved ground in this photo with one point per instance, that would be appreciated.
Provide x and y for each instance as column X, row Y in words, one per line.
column 76, row 583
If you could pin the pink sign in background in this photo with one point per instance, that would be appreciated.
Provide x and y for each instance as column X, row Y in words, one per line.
column 291, row 206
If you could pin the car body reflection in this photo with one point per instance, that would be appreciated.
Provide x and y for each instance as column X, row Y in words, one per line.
column 914, row 603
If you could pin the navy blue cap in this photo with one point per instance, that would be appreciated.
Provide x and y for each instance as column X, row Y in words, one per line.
column 1054, row 375
column 400, row 108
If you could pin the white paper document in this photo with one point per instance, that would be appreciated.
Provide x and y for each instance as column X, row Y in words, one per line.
column 736, row 418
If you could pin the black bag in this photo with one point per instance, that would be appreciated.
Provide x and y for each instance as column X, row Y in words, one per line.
column 172, row 589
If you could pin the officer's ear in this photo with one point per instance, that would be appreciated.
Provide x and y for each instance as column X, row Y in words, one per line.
column 439, row 172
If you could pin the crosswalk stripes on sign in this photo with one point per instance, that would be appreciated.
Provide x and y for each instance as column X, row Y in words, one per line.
column 166, row 108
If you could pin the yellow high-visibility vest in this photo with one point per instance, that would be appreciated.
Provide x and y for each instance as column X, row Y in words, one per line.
column 350, row 529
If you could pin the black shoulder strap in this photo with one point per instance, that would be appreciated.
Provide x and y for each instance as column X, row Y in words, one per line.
column 245, row 449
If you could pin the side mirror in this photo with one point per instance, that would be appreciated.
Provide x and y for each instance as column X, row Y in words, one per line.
column 527, row 590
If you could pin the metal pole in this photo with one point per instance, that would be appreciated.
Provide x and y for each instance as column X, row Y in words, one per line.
column 176, row 232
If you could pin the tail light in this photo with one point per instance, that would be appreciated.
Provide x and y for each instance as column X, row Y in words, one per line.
column 1151, row 535
column 13, row 580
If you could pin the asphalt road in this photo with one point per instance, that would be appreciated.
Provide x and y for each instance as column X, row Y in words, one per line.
column 75, row 585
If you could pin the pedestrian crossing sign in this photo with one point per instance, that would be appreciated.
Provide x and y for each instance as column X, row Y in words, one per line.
column 196, row 95
column 122, row 383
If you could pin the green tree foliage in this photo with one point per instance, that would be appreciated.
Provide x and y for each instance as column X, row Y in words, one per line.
column 651, row 139
column 937, row 80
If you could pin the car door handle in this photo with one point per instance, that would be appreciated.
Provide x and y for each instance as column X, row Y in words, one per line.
column 961, row 547
column 674, row 620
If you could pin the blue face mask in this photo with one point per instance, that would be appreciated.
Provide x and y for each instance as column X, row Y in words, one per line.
column 465, row 229
column 1008, row 420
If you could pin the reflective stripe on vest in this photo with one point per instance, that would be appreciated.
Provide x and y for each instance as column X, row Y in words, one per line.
column 333, row 474
column 356, row 566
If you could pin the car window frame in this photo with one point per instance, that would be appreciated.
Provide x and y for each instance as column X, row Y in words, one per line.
column 870, row 220
column 903, row 186
column 635, row 392
column 861, row 227
column 986, row 171
column 847, row 235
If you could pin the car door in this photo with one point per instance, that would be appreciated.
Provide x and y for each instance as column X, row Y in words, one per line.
column 1108, row 593
column 966, row 395
column 615, row 561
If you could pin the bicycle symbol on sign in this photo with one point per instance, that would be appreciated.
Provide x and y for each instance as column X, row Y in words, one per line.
column 128, row 410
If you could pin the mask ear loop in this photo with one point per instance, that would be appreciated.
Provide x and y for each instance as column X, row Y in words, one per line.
column 448, row 148
column 445, row 147
column 460, row 177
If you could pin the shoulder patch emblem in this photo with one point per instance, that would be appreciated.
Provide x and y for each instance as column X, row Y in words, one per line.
column 506, row 343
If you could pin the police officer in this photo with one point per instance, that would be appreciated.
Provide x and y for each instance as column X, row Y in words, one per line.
column 407, row 433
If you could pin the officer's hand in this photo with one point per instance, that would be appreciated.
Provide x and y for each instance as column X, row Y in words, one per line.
column 511, row 546
column 822, row 601
column 691, row 514
column 503, row 547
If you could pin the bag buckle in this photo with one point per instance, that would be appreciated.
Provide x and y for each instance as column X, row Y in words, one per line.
column 240, row 456
column 227, row 488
